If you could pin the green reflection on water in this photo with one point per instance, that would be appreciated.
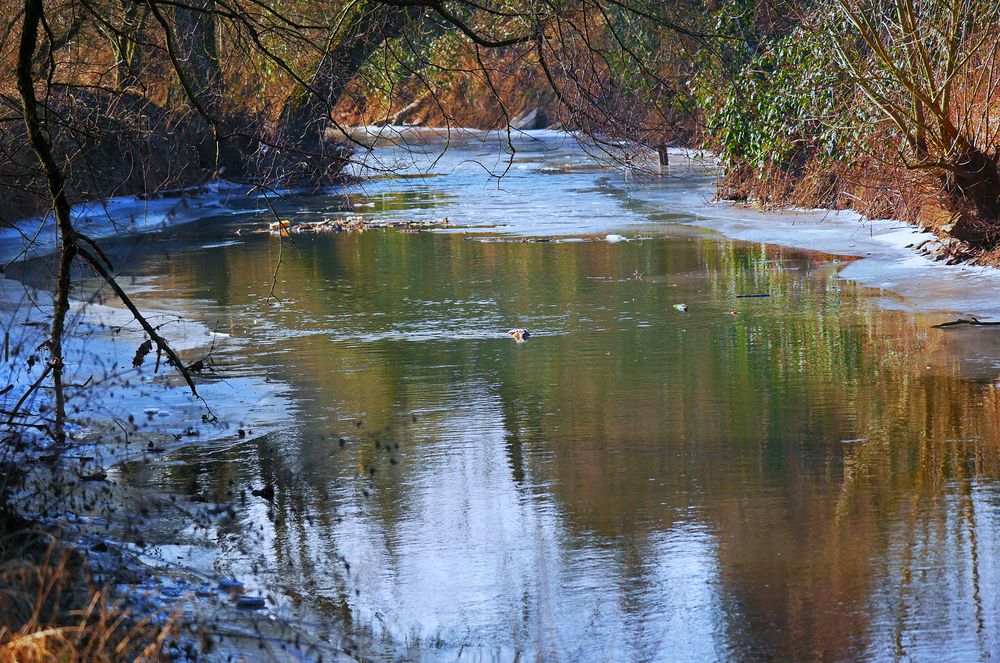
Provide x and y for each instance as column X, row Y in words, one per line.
column 824, row 448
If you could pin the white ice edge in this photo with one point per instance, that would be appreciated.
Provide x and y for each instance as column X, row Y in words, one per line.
column 888, row 261
column 119, row 215
column 99, row 348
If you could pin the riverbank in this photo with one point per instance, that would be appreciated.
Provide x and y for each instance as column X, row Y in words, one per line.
column 103, row 538
column 911, row 264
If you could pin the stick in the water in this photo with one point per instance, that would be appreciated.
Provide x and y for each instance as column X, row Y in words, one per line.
column 971, row 320
column 763, row 294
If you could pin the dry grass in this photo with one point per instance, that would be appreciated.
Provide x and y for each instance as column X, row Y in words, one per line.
column 49, row 611
column 874, row 188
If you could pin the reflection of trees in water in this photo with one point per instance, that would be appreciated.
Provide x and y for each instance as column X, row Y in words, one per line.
column 742, row 419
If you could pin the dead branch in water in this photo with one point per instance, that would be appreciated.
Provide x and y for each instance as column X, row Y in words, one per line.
column 69, row 239
column 972, row 321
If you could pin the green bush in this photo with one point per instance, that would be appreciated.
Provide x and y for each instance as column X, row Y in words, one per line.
column 783, row 101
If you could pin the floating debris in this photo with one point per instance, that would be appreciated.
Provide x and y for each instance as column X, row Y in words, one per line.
column 755, row 296
column 519, row 335
column 614, row 239
column 250, row 602
column 681, row 307
column 733, row 312
column 279, row 227
column 284, row 227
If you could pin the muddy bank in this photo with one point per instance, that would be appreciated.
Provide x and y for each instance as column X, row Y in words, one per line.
column 120, row 148
column 875, row 189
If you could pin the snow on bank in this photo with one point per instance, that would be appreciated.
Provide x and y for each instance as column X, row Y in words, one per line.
column 101, row 339
column 889, row 260
column 121, row 215
column 99, row 347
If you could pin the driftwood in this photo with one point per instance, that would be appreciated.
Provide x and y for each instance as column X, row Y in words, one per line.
column 970, row 320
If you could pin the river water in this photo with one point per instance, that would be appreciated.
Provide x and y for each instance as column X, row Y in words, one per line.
column 807, row 475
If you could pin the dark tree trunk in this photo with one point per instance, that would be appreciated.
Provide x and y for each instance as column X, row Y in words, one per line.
column 306, row 113
column 197, row 46
column 125, row 38
column 196, row 42
column 41, row 143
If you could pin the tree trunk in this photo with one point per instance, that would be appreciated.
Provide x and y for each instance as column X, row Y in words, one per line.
column 41, row 143
column 196, row 42
column 125, row 42
column 197, row 48
column 306, row 113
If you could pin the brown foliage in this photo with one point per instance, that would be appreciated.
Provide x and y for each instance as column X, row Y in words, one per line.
column 49, row 611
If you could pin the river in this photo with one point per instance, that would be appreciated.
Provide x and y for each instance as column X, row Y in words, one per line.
column 810, row 474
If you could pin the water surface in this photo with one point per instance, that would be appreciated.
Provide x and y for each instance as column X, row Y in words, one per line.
column 807, row 475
